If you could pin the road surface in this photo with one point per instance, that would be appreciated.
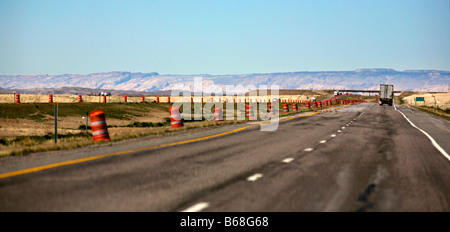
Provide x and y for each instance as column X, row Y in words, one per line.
column 362, row 157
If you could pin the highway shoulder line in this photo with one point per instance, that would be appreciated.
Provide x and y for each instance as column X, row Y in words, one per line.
column 435, row 144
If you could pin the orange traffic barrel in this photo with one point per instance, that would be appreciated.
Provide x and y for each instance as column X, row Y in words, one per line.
column 175, row 117
column 307, row 105
column 294, row 107
column 125, row 98
column 192, row 100
column 319, row 104
column 157, row 99
column 285, row 108
column 271, row 110
column 80, row 99
column 17, row 98
column 99, row 128
column 249, row 110
column 50, row 98
column 218, row 114
column 315, row 104
column 168, row 99
column 104, row 99
column 143, row 99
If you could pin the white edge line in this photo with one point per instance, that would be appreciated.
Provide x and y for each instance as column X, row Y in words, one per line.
column 197, row 207
column 435, row 144
column 288, row 160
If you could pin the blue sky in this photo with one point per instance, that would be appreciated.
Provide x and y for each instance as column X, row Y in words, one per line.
column 222, row 37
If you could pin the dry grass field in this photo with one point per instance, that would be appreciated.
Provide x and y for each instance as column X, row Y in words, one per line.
column 441, row 100
column 437, row 103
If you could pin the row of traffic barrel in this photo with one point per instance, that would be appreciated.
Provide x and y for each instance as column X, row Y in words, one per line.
column 100, row 129
column 168, row 100
column 325, row 103
column 80, row 98
column 50, row 98
column 177, row 122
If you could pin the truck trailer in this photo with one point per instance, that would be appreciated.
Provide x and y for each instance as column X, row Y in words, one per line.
column 386, row 94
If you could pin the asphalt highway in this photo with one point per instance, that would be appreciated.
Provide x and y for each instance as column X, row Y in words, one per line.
column 362, row 157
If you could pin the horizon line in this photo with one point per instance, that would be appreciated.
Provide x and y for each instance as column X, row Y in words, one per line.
column 179, row 74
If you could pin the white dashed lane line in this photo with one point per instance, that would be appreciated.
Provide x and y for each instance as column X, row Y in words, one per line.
column 197, row 207
column 255, row 177
column 203, row 205
column 288, row 160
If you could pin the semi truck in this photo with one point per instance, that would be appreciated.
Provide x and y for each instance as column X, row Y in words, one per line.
column 386, row 94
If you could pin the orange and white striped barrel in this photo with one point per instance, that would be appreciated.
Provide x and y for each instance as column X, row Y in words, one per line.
column 143, row 99
column 125, row 98
column 271, row 110
column 307, row 105
column 175, row 117
column 294, row 107
column 218, row 114
column 104, row 99
column 249, row 110
column 50, row 98
column 315, row 104
column 157, row 99
column 168, row 99
column 319, row 104
column 80, row 99
column 285, row 108
column 99, row 127
column 17, row 98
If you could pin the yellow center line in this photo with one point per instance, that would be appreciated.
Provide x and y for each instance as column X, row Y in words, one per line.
column 64, row 163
